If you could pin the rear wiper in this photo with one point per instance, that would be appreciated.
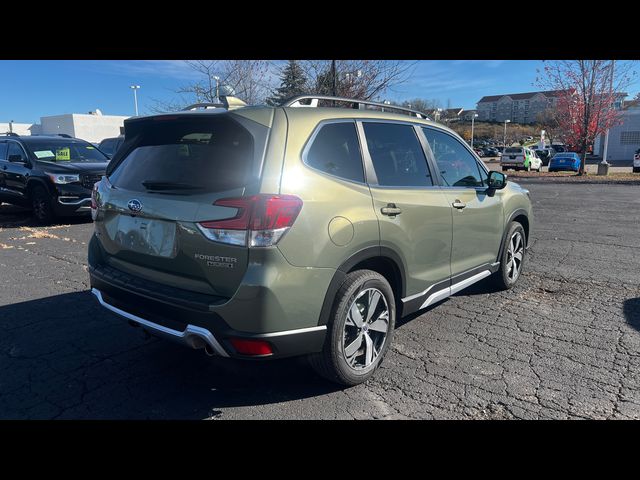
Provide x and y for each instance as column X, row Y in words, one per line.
column 151, row 185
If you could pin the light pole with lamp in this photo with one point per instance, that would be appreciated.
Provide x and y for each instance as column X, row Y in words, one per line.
column 603, row 166
column 135, row 89
column 504, row 141
column 473, row 117
column 217, row 79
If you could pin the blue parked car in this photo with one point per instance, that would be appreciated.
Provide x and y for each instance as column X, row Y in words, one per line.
column 564, row 161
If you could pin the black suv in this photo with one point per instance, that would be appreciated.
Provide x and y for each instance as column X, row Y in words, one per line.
column 53, row 175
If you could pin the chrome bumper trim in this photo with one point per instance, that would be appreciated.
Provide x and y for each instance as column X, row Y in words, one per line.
column 186, row 337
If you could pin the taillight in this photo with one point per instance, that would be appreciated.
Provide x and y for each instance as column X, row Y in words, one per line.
column 260, row 221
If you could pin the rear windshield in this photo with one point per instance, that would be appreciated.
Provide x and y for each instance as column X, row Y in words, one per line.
column 61, row 151
column 513, row 151
column 207, row 154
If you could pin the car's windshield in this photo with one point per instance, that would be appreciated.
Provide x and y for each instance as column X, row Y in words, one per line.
column 60, row 151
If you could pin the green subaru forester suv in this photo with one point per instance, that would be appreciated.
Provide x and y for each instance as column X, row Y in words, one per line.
column 304, row 229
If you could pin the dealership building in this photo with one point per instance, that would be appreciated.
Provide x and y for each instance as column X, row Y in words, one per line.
column 92, row 126
column 624, row 138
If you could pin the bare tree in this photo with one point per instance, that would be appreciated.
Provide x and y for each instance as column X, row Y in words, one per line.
column 548, row 121
column 249, row 80
column 589, row 90
column 364, row 79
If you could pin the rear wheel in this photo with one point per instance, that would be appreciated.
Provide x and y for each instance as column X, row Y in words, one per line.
column 513, row 257
column 41, row 205
column 636, row 169
column 359, row 331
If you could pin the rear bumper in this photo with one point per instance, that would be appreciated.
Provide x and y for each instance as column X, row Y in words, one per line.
column 192, row 336
column 284, row 313
column 215, row 339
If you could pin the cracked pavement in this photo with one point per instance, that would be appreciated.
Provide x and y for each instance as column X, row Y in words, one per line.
column 564, row 343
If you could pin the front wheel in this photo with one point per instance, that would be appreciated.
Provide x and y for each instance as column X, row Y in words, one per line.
column 359, row 331
column 513, row 257
column 41, row 205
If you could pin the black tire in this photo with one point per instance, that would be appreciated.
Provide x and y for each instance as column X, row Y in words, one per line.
column 502, row 278
column 331, row 362
column 41, row 205
column 636, row 169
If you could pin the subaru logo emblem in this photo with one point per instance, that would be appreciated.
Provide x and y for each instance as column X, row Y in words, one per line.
column 134, row 205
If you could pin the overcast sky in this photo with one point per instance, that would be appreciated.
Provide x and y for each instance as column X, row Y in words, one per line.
column 31, row 89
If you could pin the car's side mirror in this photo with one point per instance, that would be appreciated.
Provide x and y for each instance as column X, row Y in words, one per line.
column 497, row 180
column 16, row 159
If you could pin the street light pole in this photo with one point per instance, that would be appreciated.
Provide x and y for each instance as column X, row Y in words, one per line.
column 217, row 79
column 135, row 89
column 473, row 117
column 603, row 168
column 504, row 140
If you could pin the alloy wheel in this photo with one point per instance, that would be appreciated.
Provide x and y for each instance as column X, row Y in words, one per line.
column 365, row 329
column 515, row 255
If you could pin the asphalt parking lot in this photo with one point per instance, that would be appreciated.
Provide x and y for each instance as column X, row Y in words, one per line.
column 564, row 343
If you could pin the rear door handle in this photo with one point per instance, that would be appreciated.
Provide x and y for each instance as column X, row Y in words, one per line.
column 391, row 210
column 458, row 204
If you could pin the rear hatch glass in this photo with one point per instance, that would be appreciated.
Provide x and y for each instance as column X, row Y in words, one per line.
column 513, row 151
column 167, row 177
column 210, row 155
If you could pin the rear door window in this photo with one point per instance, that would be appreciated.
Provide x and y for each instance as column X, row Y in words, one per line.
column 397, row 155
column 335, row 150
column 3, row 151
column 211, row 154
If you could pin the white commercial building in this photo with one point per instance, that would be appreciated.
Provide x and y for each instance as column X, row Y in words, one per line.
column 624, row 138
column 92, row 127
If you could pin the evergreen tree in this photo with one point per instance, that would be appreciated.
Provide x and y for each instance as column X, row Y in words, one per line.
column 293, row 82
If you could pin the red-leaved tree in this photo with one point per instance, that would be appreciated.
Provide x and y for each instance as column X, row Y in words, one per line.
column 588, row 90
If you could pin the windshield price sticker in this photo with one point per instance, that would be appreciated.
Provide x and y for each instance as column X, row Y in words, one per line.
column 63, row 154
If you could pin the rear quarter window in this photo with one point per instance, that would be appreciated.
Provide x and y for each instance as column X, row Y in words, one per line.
column 335, row 150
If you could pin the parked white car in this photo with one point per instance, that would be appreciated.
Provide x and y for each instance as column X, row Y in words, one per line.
column 520, row 158
column 636, row 162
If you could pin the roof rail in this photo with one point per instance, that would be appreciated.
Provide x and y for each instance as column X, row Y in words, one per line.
column 225, row 101
column 355, row 103
column 10, row 134
column 64, row 135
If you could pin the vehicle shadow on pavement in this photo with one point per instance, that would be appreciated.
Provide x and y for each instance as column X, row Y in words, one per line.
column 631, row 309
column 12, row 216
column 66, row 357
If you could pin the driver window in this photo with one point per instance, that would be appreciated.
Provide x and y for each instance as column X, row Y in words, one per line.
column 15, row 149
column 457, row 166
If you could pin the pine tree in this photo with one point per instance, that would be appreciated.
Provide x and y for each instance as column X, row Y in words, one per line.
column 293, row 82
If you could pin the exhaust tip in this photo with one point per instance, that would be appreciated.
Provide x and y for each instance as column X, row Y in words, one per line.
column 208, row 350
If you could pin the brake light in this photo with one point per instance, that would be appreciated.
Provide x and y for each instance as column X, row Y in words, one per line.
column 260, row 220
column 251, row 347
